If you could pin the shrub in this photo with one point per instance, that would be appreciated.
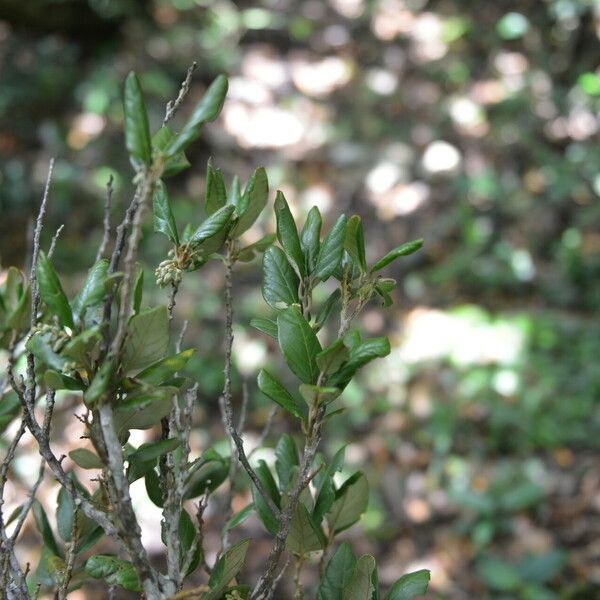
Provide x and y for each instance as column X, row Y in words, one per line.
column 117, row 355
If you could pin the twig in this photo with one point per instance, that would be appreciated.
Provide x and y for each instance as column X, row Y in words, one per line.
column 54, row 240
column 225, row 400
column 106, row 221
column 173, row 105
column 63, row 589
column 172, row 300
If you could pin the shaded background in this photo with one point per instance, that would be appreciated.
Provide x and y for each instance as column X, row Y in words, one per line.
column 471, row 124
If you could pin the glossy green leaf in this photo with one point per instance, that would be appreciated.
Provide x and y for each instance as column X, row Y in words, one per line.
column 304, row 536
column 164, row 222
column 164, row 369
column 299, row 344
column 208, row 474
column 252, row 203
column 310, row 238
column 65, row 514
column 152, row 450
column 51, row 291
column 267, row 326
column 101, row 382
column 363, row 353
column 265, row 514
column 361, row 584
column 351, row 501
column 333, row 300
column 354, row 242
column 93, row 290
column 144, row 409
column 325, row 488
column 147, row 338
column 338, row 573
column 279, row 282
column 85, row 458
column 44, row 528
column 227, row 567
column 403, row 250
column 409, row 586
column 286, row 460
column 58, row 381
column 175, row 164
column 332, row 357
column 206, row 110
column 212, row 225
column 137, row 131
column 42, row 351
column 287, row 234
column 332, row 249
column 216, row 196
column 271, row 387
column 315, row 395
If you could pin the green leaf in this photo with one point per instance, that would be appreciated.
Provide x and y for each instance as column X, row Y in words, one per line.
column 304, row 536
column 101, row 383
column 253, row 202
column 325, row 487
column 208, row 473
column 361, row 354
column 42, row 351
column 286, row 459
column 332, row 301
column 93, row 290
column 239, row 517
column 58, row 381
column 310, row 238
column 354, row 243
column 280, row 282
column 360, row 586
column 338, row 573
column 299, row 344
column 332, row 358
column 138, row 291
column 51, row 291
column 227, row 567
column 147, row 338
column 44, row 528
column 164, row 222
column 177, row 163
column 287, row 234
column 403, row 250
column 10, row 406
column 351, row 501
column 144, row 409
column 409, row 586
column 216, row 196
column 267, row 326
column 187, row 534
column 65, row 514
column 206, row 110
column 137, row 131
column 315, row 395
column 332, row 249
column 234, row 196
column 113, row 571
column 164, row 369
column 85, row 458
column 274, row 389
column 152, row 450
column 265, row 514
column 212, row 225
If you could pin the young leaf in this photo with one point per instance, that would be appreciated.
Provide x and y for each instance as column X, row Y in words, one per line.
column 280, row 282
column 93, row 290
column 351, row 501
column 265, row 325
column 216, row 196
column 361, row 585
column 137, row 132
column 287, row 234
column 51, row 291
column 85, row 458
column 286, row 459
column 354, row 243
column 164, row 369
column 299, row 344
column 272, row 388
column 409, row 586
column 113, row 571
column 212, row 225
column 147, row 339
column 164, row 221
column 338, row 573
column 315, row 395
column 160, row 140
column 332, row 249
column 252, row 203
column 403, row 250
column 304, row 536
column 310, row 239
column 206, row 110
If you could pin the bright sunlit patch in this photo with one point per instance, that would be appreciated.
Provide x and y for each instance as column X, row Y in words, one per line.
column 86, row 126
column 382, row 81
column 351, row 9
column 506, row 382
column 262, row 65
column 382, row 177
column 441, row 157
column 320, row 77
column 522, row 264
column 249, row 91
column 249, row 353
column 320, row 195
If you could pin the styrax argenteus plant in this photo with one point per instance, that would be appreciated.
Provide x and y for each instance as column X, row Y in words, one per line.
column 116, row 354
